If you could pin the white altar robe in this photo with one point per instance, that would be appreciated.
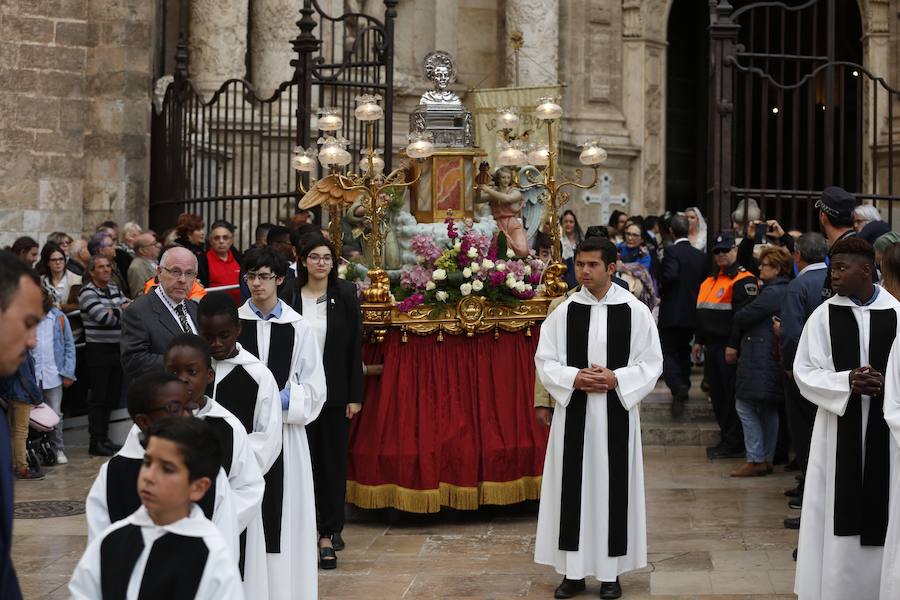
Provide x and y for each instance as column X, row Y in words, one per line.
column 97, row 510
column 217, row 572
column 293, row 573
column 635, row 381
column 831, row 567
column 264, row 440
column 890, row 566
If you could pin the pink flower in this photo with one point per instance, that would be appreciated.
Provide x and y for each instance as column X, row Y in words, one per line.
column 524, row 295
column 534, row 278
column 517, row 268
column 414, row 278
column 411, row 302
column 452, row 233
column 424, row 246
column 496, row 278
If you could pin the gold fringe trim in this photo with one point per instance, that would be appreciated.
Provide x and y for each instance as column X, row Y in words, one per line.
column 390, row 495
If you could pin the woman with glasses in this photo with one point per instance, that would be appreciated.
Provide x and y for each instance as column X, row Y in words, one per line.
column 759, row 391
column 62, row 284
column 331, row 307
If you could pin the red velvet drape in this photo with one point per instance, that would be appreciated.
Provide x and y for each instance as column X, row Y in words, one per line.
column 456, row 413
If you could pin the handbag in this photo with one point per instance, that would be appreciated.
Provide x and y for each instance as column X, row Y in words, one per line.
column 43, row 418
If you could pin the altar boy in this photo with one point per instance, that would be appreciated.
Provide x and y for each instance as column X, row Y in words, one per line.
column 247, row 389
column 598, row 356
column 113, row 496
column 278, row 335
column 167, row 548
column 188, row 358
column 841, row 367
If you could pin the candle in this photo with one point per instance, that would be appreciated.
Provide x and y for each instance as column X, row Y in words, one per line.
column 369, row 112
column 329, row 120
column 592, row 155
column 548, row 109
column 539, row 156
column 508, row 119
column 304, row 163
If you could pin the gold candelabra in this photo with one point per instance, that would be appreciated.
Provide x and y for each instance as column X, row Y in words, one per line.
column 370, row 184
column 549, row 176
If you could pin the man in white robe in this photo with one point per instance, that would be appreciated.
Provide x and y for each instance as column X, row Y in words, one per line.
column 598, row 356
column 890, row 566
column 278, row 335
column 839, row 366
column 247, row 389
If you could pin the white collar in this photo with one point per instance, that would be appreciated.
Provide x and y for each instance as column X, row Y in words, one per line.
column 132, row 447
column 813, row 267
column 240, row 359
column 679, row 240
column 288, row 314
column 615, row 295
column 884, row 300
column 194, row 525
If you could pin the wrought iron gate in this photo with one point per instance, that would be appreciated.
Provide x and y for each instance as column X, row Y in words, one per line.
column 793, row 111
column 229, row 156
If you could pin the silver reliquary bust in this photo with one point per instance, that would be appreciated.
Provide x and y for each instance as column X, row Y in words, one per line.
column 440, row 111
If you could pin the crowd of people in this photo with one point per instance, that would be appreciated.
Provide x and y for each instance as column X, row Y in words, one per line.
column 263, row 347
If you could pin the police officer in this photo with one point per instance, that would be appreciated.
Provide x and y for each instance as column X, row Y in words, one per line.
column 836, row 206
column 721, row 294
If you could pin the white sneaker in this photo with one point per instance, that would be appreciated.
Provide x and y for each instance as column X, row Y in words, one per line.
column 61, row 458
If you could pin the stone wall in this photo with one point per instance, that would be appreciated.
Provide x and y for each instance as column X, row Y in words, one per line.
column 75, row 80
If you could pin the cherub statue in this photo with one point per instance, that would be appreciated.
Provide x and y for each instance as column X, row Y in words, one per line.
column 506, row 204
column 439, row 69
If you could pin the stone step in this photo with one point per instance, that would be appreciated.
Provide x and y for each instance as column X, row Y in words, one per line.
column 679, row 434
column 696, row 427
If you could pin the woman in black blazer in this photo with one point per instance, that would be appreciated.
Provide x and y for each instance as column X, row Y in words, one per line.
column 331, row 307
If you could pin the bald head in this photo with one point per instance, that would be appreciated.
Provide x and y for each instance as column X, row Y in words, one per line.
column 145, row 245
column 177, row 271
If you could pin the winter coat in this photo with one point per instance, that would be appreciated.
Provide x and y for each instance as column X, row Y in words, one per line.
column 759, row 377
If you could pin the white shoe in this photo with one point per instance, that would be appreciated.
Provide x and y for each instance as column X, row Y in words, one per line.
column 61, row 458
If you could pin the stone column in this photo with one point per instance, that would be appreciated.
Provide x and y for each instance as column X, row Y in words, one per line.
column 274, row 26
column 218, row 42
column 538, row 20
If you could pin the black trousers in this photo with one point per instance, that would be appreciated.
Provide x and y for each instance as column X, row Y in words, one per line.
column 105, row 375
column 801, row 415
column 676, row 350
column 328, row 439
column 721, row 379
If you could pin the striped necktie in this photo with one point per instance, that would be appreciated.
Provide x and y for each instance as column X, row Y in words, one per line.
column 182, row 318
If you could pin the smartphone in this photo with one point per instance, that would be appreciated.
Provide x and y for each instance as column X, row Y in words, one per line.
column 762, row 230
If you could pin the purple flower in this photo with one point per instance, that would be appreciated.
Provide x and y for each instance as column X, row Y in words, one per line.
column 535, row 277
column 517, row 268
column 414, row 278
column 452, row 233
column 496, row 278
column 411, row 302
column 524, row 295
column 424, row 246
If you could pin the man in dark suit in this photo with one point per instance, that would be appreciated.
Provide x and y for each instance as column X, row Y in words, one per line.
column 21, row 310
column 154, row 319
column 683, row 270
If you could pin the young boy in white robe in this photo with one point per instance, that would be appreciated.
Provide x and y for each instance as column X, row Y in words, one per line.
column 890, row 565
column 840, row 366
column 113, row 495
column 278, row 335
column 247, row 389
column 188, row 358
column 598, row 356
column 167, row 549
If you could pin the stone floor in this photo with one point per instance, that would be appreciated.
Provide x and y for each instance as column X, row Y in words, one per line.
column 710, row 536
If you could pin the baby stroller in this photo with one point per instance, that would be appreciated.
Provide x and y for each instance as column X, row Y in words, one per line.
column 38, row 448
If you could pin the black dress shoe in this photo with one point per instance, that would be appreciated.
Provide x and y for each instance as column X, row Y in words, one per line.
column 337, row 542
column 724, row 452
column 108, row 443
column 100, row 449
column 792, row 523
column 610, row 589
column 795, row 555
column 569, row 588
column 678, row 402
column 796, row 502
column 794, row 492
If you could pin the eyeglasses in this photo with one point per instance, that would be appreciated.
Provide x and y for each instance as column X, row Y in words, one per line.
column 178, row 273
column 325, row 260
column 176, row 408
column 632, row 235
column 722, row 250
column 56, row 260
column 250, row 277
